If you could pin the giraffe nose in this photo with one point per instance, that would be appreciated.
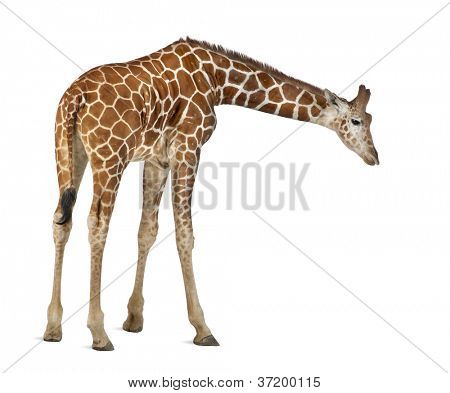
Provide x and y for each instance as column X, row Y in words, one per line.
column 370, row 156
column 375, row 156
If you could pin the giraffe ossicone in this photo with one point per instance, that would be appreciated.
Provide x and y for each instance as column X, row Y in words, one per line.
column 160, row 109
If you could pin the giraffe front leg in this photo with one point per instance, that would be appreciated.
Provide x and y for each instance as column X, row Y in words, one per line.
column 183, row 177
column 153, row 187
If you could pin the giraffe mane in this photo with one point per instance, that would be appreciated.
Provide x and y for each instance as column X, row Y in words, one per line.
column 239, row 56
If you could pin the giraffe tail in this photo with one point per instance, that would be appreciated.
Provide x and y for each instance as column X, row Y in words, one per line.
column 71, row 104
column 68, row 199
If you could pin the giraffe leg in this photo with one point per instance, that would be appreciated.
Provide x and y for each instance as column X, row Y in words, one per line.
column 61, row 233
column 153, row 187
column 98, row 222
column 183, row 177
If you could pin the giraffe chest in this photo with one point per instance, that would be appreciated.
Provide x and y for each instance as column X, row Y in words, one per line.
column 153, row 138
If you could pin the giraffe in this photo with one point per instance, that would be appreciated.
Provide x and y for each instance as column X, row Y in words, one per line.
column 160, row 109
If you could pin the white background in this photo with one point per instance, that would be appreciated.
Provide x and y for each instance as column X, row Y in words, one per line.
column 381, row 231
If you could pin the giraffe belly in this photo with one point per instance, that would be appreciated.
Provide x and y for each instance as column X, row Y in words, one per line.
column 152, row 148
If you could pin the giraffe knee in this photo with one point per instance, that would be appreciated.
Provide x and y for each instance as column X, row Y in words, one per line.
column 92, row 222
column 185, row 240
column 148, row 231
column 98, row 229
column 146, row 241
column 61, row 232
column 95, row 319
column 99, row 215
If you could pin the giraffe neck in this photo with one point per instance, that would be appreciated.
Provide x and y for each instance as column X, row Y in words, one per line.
column 242, row 81
column 261, row 91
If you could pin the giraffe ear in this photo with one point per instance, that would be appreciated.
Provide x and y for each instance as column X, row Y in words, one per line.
column 334, row 100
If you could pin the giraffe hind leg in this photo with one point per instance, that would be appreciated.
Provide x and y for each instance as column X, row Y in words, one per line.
column 61, row 232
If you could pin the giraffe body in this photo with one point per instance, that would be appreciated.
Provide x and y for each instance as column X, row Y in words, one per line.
column 160, row 109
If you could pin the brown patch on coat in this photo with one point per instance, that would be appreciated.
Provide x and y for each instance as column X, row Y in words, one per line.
column 265, row 79
column 251, row 84
column 96, row 109
column 180, row 50
column 315, row 111
column 108, row 118
column 236, row 77
column 303, row 113
column 221, row 61
column 202, row 54
column 255, row 99
column 287, row 110
column 306, row 98
column 291, row 92
column 201, row 82
column 275, row 95
column 220, row 77
column 200, row 100
column 229, row 92
column 187, row 87
column 171, row 61
column 241, row 99
column 269, row 108
column 321, row 101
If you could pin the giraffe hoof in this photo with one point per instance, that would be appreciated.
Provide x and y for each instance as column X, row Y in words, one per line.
column 132, row 329
column 52, row 339
column 208, row 341
column 53, row 335
column 132, row 326
column 107, row 347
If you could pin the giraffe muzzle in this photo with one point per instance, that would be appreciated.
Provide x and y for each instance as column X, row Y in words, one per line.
column 371, row 157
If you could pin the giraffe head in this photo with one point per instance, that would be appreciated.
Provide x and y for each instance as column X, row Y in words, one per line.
column 351, row 123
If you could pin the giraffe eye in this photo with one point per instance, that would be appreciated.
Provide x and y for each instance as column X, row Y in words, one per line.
column 356, row 122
